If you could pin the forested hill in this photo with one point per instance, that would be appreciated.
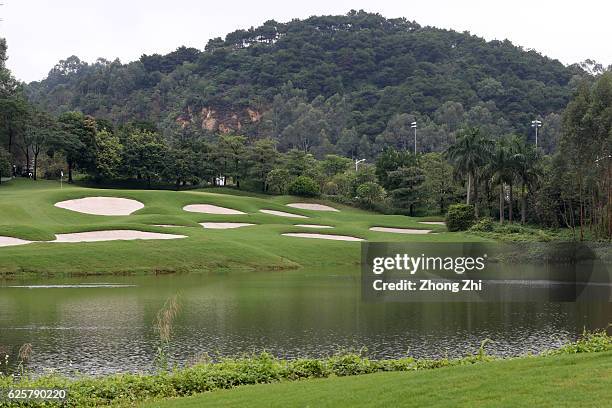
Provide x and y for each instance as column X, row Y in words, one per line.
column 345, row 84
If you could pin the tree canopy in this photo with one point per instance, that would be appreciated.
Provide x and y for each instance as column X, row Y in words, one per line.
column 345, row 84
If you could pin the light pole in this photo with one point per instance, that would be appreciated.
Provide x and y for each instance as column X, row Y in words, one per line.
column 413, row 125
column 357, row 164
column 536, row 124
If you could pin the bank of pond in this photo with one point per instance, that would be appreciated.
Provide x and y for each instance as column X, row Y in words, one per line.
column 207, row 375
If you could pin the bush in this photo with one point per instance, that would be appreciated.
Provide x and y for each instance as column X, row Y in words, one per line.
column 370, row 193
column 304, row 186
column 589, row 342
column 484, row 224
column 487, row 227
column 460, row 217
column 277, row 181
column 330, row 188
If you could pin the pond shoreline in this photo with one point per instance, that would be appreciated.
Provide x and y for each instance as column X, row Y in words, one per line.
column 206, row 376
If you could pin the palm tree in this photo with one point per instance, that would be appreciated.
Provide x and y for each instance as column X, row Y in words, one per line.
column 500, row 168
column 470, row 152
column 526, row 159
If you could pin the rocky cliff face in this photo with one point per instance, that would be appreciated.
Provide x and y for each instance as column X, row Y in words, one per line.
column 213, row 120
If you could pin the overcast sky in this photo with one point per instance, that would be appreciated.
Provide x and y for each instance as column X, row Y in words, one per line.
column 40, row 33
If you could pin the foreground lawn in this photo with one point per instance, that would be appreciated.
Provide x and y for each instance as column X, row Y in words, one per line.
column 578, row 380
column 27, row 211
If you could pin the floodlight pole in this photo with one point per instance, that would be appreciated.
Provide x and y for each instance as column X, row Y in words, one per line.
column 536, row 124
column 414, row 126
column 357, row 164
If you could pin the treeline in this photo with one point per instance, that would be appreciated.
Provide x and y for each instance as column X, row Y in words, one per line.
column 505, row 178
column 305, row 135
column 572, row 188
column 347, row 85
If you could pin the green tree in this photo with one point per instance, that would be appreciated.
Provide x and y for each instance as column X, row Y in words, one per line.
column 263, row 158
column 438, row 186
column 470, row 152
column 501, row 168
column 39, row 133
column 304, row 186
column 181, row 166
column 333, row 164
column 109, row 155
column 399, row 133
column 13, row 119
column 406, row 187
column 390, row 160
column 77, row 139
column 278, row 180
column 145, row 155
column 585, row 148
column 5, row 163
column 526, row 163
column 231, row 157
column 370, row 193
column 298, row 162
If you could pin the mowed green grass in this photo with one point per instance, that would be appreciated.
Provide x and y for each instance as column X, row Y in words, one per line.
column 27, row 211
column 561, row 381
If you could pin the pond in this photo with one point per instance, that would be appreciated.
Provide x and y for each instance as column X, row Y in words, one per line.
column 100, row 325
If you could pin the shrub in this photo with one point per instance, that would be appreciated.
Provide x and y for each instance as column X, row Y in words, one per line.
column 370, row 193
column 484, row 224
column 277, row 181
column 460, row 217
column 330, row 188
column 304, row 186
column 589, row 342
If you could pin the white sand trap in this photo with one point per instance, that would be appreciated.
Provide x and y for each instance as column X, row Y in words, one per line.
column 400, row 230
column 211, row 209
column 102, row 205
column 224, row 225
column 112, row 235
column 313, row 226
column 432, row 222
column 168, row 226
column 323, row 236
column 282, row 214
column 10, row 241
column 313, row 207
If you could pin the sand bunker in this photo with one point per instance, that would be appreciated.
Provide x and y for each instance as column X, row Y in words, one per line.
column 432, row 222
column 224, row 225
column 313, row 207
column 400, row 230
column 168, row 226
column 313, row 226
column 282, row 214
column 101, row 205
column 323, row 236
column 10, row 241
column 112, row 235
column 211, row 209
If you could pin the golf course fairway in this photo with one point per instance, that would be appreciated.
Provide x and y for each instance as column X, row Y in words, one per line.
column 28, row 212
column 561, row 381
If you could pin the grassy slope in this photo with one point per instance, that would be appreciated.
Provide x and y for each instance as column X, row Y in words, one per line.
column 579, row 380
column 27, row 211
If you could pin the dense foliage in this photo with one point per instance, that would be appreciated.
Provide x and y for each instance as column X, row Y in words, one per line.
column 348, row 85
column 304, row 186
column 291, row 107
column 460, row 217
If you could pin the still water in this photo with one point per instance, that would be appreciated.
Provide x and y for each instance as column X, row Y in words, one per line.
column 101, row 325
